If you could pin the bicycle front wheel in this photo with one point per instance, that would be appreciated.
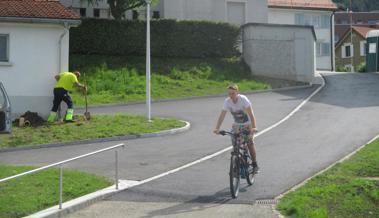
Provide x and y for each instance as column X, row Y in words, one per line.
column 250, row 175
column 234, row 176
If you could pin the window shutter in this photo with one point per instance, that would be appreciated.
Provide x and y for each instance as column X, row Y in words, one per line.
column 343, row 51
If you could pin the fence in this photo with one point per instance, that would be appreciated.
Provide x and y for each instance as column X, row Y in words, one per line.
column 61, row 163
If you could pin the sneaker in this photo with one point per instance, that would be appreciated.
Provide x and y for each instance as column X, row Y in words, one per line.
column 256, row 169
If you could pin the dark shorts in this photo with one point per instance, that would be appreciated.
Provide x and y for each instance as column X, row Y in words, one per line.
column 245, row 129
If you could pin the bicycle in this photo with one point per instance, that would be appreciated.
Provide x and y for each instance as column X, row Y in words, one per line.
column 239, row 162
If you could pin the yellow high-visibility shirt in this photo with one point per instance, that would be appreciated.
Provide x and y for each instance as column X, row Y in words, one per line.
column 66, row 81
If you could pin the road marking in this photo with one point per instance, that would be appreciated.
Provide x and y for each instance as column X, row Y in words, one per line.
column 229, row 148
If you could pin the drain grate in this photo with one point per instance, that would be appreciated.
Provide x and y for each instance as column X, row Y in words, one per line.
column 266, row 202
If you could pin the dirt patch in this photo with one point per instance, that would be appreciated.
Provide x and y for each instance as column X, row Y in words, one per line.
column 31, row 119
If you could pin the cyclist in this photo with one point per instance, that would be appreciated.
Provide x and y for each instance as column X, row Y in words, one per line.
column 244, row 119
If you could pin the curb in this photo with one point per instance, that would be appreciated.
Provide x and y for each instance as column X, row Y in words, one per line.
column 109, row 139
column 201, row 97
column 81, row 202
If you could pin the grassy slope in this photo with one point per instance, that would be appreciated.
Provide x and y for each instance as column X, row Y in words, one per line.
column 344, row 191
column 29, row 194
column 100, row 126
column 122, row 79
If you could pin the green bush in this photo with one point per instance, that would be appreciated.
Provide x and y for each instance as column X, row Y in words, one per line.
column 169, row 38
column 362, row 67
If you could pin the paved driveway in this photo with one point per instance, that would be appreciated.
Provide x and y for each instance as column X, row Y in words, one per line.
column 340, row 118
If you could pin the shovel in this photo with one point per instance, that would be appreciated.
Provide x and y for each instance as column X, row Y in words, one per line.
column 87, row 115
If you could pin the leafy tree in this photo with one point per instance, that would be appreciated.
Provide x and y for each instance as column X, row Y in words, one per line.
column 359, row 5
column 119, row 7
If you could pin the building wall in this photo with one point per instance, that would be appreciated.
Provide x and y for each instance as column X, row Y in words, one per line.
column 288, row 16
column 103, row 6
column 214, row 10
column 357, row 58
column 280, row 51
column 33, row 61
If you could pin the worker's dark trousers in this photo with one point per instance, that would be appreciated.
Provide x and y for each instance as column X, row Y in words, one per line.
column 61, row 94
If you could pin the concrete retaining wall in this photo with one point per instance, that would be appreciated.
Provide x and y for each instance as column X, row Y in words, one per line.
column 280, row 51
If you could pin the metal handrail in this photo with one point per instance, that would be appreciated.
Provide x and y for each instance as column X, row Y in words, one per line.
column 66, row 161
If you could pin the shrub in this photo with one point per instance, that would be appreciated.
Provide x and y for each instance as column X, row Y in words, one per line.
column 169, row 38
column 362, row 67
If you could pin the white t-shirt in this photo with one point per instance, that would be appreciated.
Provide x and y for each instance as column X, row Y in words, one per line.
column 238, row 109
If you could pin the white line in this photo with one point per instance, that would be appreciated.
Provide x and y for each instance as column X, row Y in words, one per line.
column 229, row 148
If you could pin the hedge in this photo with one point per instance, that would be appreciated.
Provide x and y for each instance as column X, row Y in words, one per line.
column 169, row 38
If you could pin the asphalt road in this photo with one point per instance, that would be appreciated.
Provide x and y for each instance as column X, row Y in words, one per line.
column 340, row 118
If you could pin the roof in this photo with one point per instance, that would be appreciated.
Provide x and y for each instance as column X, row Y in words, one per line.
column 43, row 9
column 362, row 31
column 327, row 5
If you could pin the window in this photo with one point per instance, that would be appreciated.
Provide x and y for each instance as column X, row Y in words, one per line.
column 325, row 22
column 4, row 48
column 96, row 12
column 312, row 20
column 347, row 50
column 156, row 15
column 373, row 22
column 323, row 49
column 363, row 48
column 135, row 15
column 83, row 12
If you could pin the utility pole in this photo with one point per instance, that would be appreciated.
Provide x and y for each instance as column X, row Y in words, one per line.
column 351, row 39
column 148, row 67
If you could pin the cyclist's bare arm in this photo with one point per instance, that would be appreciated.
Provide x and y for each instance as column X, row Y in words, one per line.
column 250, row 113
column 221, row 118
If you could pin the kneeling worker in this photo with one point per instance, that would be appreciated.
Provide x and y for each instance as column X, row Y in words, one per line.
column 66, row 82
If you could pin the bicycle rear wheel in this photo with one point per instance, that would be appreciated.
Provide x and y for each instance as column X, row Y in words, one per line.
column 234, row 176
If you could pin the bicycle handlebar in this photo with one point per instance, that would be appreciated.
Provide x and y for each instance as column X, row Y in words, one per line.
column 223, row 133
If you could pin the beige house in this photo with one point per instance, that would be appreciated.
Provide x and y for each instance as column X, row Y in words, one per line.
column 351, row 51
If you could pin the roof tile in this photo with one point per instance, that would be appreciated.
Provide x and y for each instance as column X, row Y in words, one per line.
column 303, row 4
column 50, row 9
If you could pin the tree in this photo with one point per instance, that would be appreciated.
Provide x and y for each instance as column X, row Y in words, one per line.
column 360, row 5
column 119, row 7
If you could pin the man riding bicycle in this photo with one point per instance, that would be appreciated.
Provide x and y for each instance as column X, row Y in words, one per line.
column 244, row 119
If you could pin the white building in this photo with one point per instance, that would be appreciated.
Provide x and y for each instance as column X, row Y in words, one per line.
column 34, row 44
column 233, row 11
column 303, row 12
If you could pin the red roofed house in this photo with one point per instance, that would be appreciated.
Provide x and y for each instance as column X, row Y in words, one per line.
column 348, row 53
column 34, row 43
column 304, row 12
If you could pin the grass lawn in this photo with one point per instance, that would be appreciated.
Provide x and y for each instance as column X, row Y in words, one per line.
column 348, row 190
column 123, row 80
column 100, row 126
column 29, row 194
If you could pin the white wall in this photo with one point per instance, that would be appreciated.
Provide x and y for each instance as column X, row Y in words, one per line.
column 34, row 60
column 77, row 4
column 214, row 10
column 287, row 16
column 280, row 51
